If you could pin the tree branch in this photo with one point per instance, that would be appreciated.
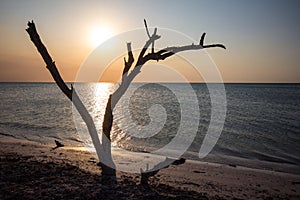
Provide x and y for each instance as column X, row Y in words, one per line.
column 169, row 51
column 147, row 30
column 35, row 38
column 159, row 55
column 130, row 60
column 146, row 46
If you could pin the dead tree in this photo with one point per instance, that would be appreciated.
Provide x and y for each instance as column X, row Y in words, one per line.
column 146, row 54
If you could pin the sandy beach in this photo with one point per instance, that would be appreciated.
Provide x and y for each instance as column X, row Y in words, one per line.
column 34, row 171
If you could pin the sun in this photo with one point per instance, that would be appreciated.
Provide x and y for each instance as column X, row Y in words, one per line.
column 99, row 35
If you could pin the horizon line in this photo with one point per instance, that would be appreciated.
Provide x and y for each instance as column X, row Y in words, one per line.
column 70, row 82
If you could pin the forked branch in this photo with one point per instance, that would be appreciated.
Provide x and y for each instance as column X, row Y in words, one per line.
column 159, row 55
column 162, row 54
column 169, row 51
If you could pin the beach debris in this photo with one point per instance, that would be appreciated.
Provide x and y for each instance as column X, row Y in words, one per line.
column 146, row 174
column 296, row 183
column 179, row 161
column 58, row 144
column 199, row 172
column 232, row 165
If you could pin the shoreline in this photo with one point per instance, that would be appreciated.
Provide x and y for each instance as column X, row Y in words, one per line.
column 218, row 159
column 67, row 172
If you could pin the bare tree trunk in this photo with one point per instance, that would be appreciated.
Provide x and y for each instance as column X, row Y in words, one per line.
column 106, row 140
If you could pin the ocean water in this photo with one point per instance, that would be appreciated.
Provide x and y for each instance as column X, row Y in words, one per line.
column 261, row 129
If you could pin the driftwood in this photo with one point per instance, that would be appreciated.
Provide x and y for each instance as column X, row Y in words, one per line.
column 127, row 77
column 146, row 175
column 58, row 144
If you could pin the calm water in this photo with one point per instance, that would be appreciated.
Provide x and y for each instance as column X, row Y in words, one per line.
column 261, row 129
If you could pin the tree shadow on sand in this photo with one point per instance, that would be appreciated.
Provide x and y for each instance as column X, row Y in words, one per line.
column 24, row 177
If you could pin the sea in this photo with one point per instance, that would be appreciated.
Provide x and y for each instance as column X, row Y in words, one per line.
column 261, row 128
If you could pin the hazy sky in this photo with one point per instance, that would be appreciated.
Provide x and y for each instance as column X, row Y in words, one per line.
column 262, row 37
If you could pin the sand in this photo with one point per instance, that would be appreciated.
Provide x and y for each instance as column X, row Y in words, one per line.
column 33, row 171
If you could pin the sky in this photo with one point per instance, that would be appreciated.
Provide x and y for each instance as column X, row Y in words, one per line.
column 262, row 37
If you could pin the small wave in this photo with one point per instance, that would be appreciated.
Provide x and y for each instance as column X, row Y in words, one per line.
column 22, row 125
column 7, row 135
column 271, row 158
column 74, row 140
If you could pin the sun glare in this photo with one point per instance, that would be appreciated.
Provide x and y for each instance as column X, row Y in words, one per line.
column 99, row 35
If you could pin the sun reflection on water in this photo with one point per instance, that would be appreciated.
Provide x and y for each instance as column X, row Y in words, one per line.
column 95, row 97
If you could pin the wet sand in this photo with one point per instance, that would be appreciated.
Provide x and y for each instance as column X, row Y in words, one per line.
column 34, row 171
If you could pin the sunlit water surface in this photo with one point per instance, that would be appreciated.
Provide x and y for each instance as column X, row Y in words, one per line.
column 261, row 129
